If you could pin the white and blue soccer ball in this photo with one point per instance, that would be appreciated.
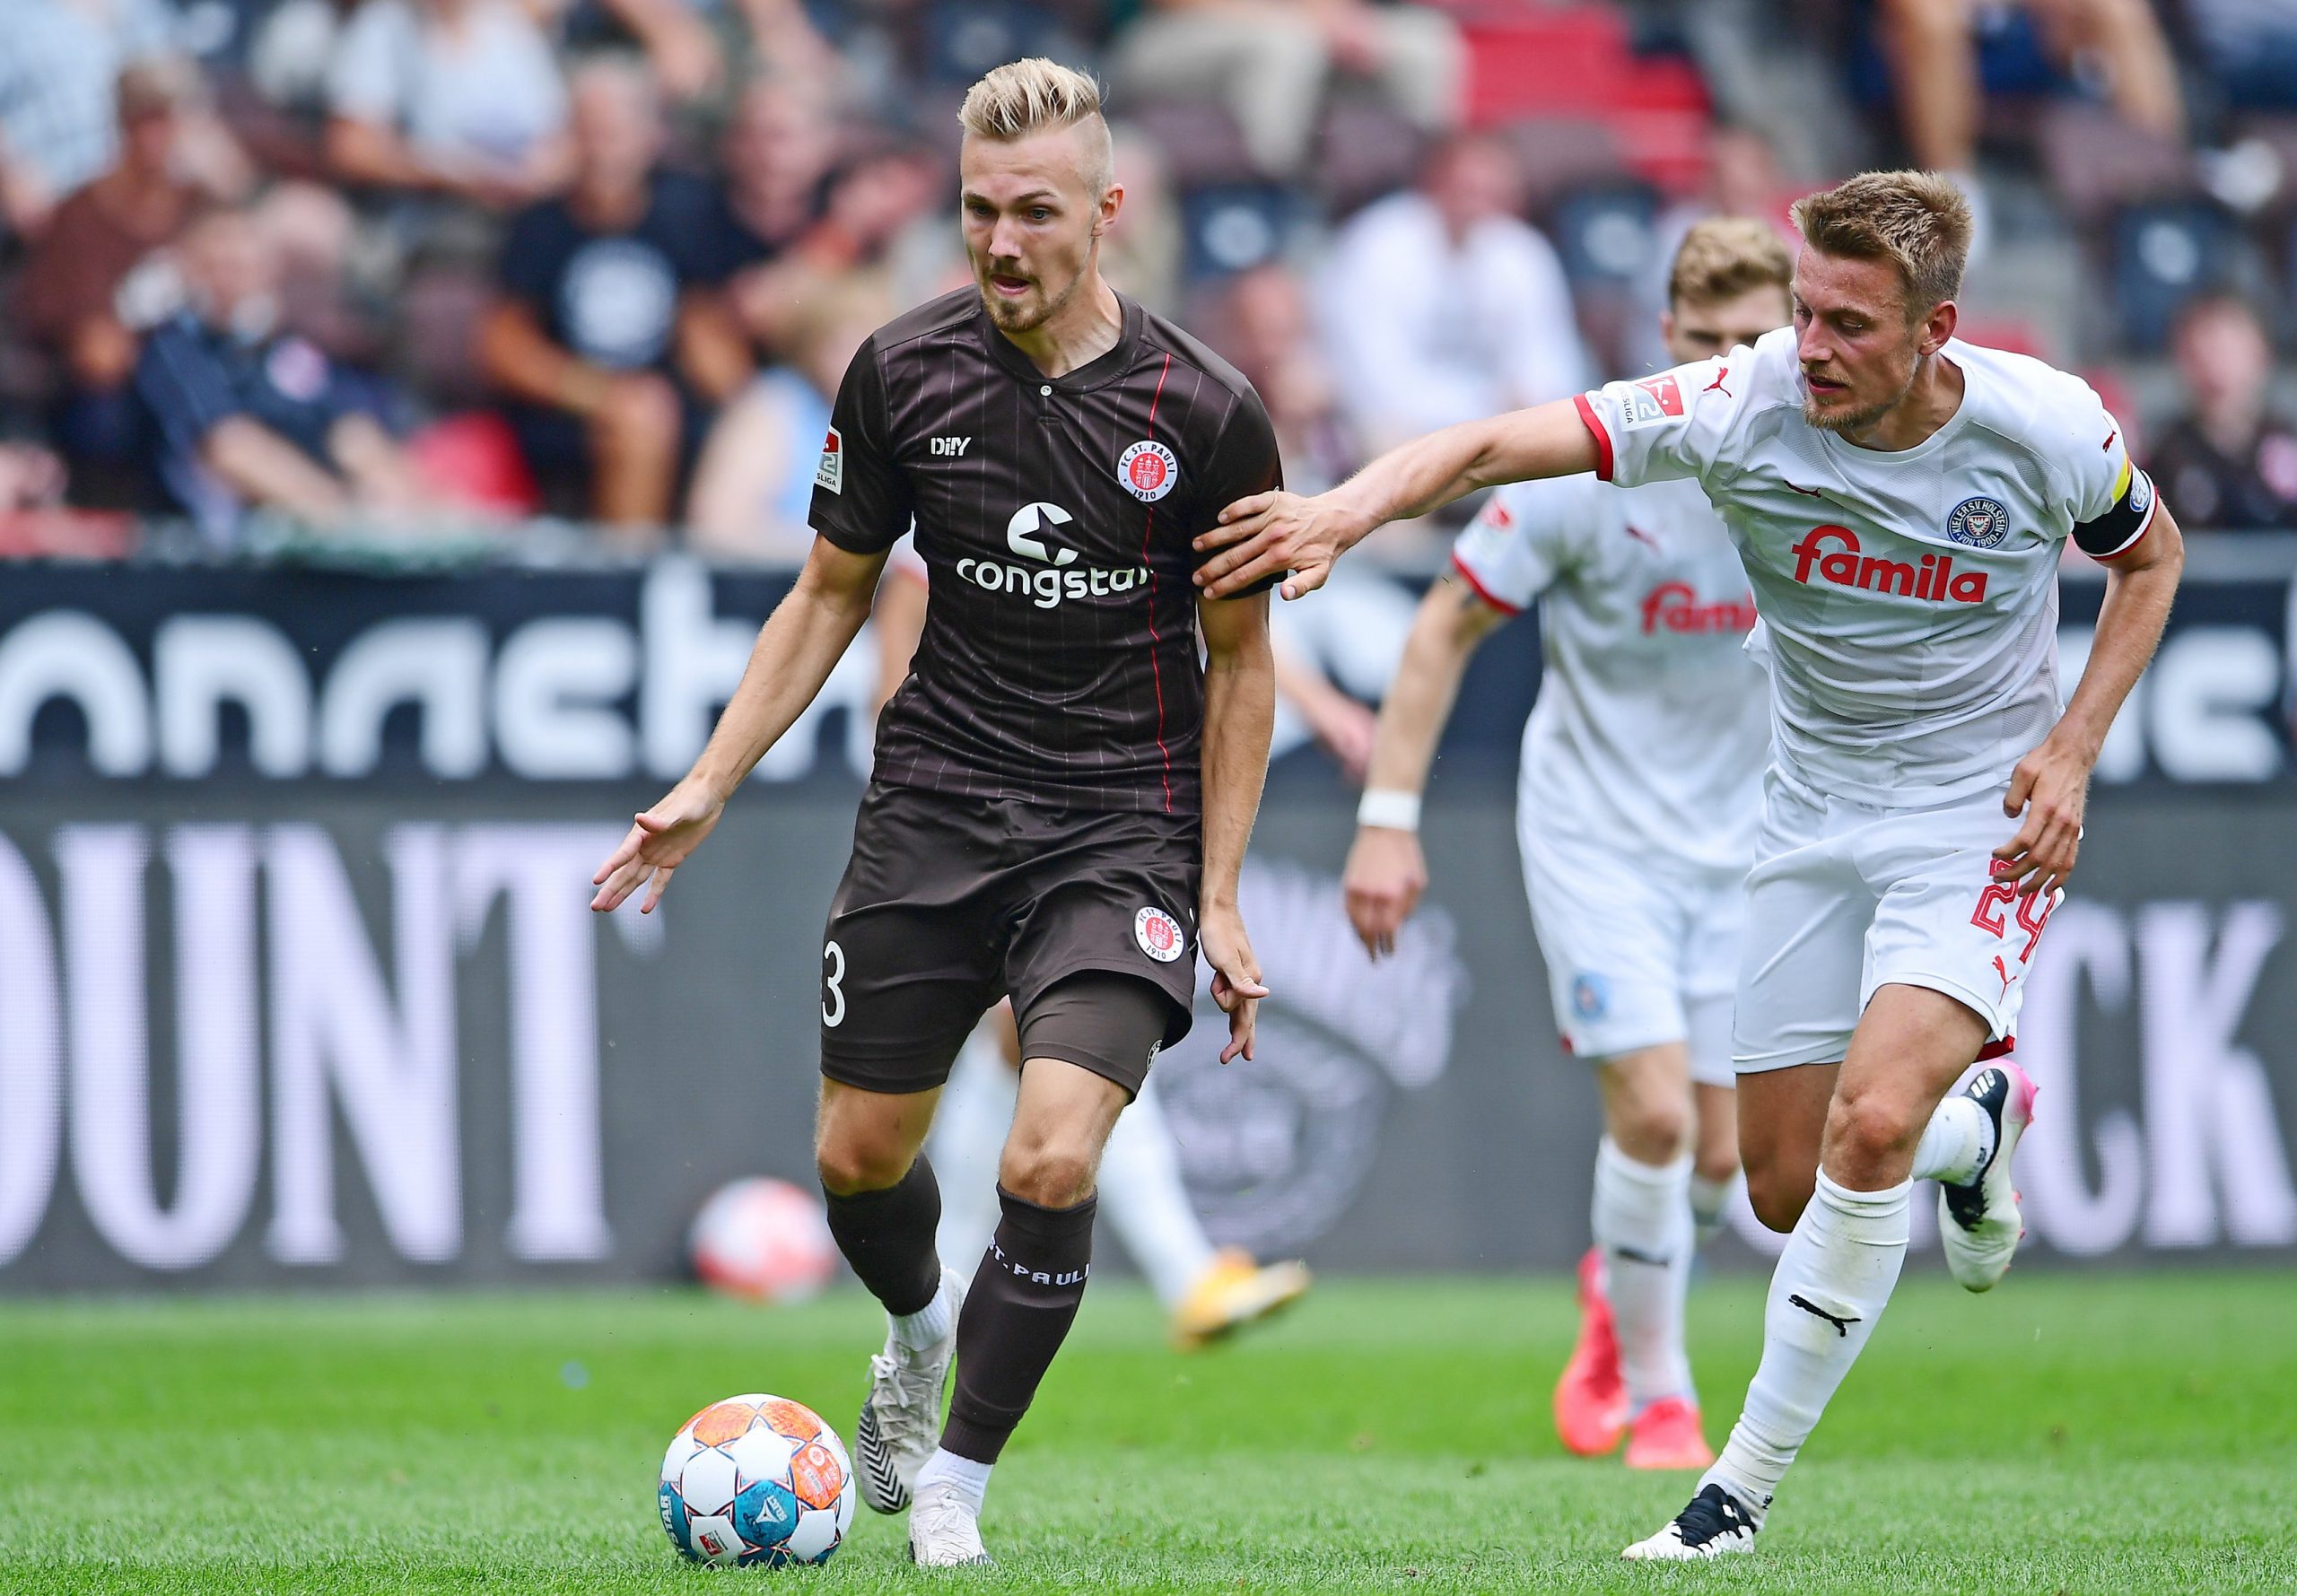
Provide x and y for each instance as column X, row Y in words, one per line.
column 756, row 1481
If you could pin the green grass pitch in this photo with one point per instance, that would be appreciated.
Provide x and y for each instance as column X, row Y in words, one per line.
column 2065, row 1434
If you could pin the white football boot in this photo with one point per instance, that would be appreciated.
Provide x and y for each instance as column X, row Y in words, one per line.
column 1979, row 1223
column 900, row 1424
column 1716, row 1524
column 943, row 1532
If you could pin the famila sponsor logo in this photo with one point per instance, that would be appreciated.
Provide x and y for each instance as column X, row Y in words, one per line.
column 1676, row 607
column 1831, row 555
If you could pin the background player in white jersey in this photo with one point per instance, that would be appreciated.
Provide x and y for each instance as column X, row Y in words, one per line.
column 1900, row 500
column 1640, row 797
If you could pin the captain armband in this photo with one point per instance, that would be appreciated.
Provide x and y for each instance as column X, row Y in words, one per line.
column 2118, row 531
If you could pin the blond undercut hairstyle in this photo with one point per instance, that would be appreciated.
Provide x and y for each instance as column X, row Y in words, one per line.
column 1725, row 256
column 1038, row 95
column 1918, row 221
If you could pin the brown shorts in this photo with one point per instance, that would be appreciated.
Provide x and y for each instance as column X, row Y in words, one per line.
column 951, row 902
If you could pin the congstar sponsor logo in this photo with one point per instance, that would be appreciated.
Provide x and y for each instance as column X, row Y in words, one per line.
column 1046, row 574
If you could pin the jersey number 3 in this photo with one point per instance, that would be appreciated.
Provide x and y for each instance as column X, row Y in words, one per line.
column 833, row 994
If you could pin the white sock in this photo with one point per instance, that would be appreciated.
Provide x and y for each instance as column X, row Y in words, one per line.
column 966, row 1479
column 1144, row 1200
column 1830, row 1286
column 969, row 1126
column 1709, row 1199
column 1955, row 1142
column 1642, row 1222
column 931, row 1323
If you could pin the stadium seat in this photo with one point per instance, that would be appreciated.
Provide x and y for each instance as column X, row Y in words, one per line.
column 1363, row 150
column 1578, row 62
column 965, row 38
column 1563, row 154
column 1198, row 139
column 2163, row 253
column 1605, row 234
column 2097, row 163
column 1229, row 227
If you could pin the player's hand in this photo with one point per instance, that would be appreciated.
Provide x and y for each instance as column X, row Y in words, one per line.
column 659, row 840
column 1386, row 874
column 2051, row 789
column 1266, row 534
column 1236, row 977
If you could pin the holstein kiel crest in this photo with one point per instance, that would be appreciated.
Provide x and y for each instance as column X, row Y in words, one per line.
column 1159, row 934
column 1147, row 470
column 1981, row 523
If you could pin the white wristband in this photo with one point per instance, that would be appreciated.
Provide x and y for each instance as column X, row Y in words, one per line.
column 1390, row 808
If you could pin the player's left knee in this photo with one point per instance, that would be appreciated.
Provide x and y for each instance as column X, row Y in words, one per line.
column 1715, row 1166
column 1052, row 1175
column 1868, row 1127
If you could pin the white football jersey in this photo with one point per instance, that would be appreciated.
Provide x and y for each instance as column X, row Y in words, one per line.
column 1909, row 597
column 1652, row 725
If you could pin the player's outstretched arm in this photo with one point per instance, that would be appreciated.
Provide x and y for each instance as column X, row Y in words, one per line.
column 1239, row 718
column 1387, row 871
column 1264, row 534
column 2051, row 785
column 799, row 646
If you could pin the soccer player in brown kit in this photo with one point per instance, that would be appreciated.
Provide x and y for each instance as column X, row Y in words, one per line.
column 1063, row 786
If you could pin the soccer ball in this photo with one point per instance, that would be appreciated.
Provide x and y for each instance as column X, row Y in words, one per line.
column 756, row 1480
column 765, row 1240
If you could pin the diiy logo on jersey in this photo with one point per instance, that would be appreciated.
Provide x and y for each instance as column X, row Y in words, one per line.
column 1049, row 581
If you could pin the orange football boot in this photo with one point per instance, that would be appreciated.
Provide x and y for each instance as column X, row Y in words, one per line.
column 1591, row 1398
column 1667, row 1436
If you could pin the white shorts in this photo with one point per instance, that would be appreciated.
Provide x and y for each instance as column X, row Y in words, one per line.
column 1846, row 898
column 1636, row 956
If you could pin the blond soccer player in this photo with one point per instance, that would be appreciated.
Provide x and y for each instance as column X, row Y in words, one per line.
column 1900, row 500
column 1640, row 797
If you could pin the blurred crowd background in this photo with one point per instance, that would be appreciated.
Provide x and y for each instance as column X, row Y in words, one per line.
column 400, row 266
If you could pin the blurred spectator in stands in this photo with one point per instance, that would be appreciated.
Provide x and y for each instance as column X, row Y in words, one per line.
column 1141, row 253
column 869, row 200
column 2229, row 462
column 459, row 98
column 778, row 146
column 313, row 231
column 252, row 417
column 753, row 488
column 60, row 63
column 30, row 477
column 1440, row 303
column 2251, row 48
column 1934, row 62
column 1744, row 178
column 72, row 279
column 1263, row 322
column 607, row 329
column 1268, row 62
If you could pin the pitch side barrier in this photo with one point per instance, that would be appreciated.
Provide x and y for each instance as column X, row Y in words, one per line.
column 300, row 986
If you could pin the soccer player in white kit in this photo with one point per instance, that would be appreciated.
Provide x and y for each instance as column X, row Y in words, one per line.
column 1640, row 797
column 1899, row 499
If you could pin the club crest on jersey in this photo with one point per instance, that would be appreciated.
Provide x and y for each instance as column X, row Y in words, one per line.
column 1591, row 996
column 1651, row 402
column 1147, row 470
column 831, row 472
column 1980, row 523
column 1159, row 934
